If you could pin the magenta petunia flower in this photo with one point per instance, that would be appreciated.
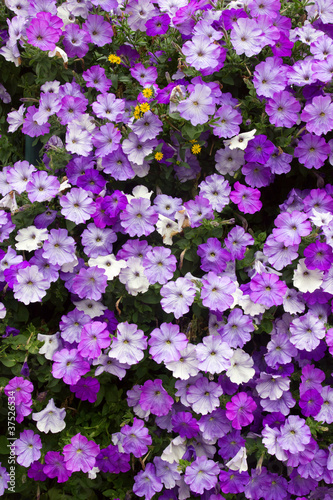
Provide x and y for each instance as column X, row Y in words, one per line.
column 21, row 388
column 41, row 34
column 80, row 454
column 69, row 366
column 246, row 198
column 94, row 337
column 267, row 289
column 240, row 410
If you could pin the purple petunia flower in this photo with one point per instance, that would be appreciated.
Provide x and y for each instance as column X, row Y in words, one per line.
column 86, row 389
column 139, row 217
column 76, row 40
column 90, row 283
column 203, row 396
column 295, row 434
column 283, row 109
column 30, row 285
column 267, row 289
column 291, row 227
column 159, row 265
column 55, row 467
column 147, row 483
column 95, row 77
column 77, row 206
column 318, row 115
column 42, row 186
column 157, row 25
column 201, row 53
column 213, row 354
column 80, row 454
column 237, row 331
column 198, row 209
column 216, row 292
column 136, row 438
column 312, row 151
column 100, row 31
column 154, row 398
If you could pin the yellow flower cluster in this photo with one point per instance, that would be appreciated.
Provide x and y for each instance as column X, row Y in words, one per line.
column 114, row 59
column 140, row 110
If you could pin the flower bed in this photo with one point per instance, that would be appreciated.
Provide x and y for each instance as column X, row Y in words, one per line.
column 166, row 249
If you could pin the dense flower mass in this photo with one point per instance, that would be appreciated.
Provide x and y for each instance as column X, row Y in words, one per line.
column 166, row 249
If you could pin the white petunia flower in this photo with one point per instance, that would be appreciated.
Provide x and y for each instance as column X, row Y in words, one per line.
column 238, row 462
column 240, row 141
column 241, row 370
column 109, row 264
column 167, row 228
column 175, row 451
column 52, row 343
column 307, row 280
column 30, row 238
column 90, row 307
column 50, row 419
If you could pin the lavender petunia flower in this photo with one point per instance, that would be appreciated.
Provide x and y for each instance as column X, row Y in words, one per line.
column 166, row 343
column 27, row 448
column 201, row 475
column 80, row 454
column 129, row 344
column 147, row 483
column 178, row 296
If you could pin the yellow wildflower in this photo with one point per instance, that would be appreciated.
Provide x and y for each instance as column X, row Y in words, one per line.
column 144, row 107
column 196, row 149
column 137, row 112
column 114, row 59
column 147, row 93
column 158, row 156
